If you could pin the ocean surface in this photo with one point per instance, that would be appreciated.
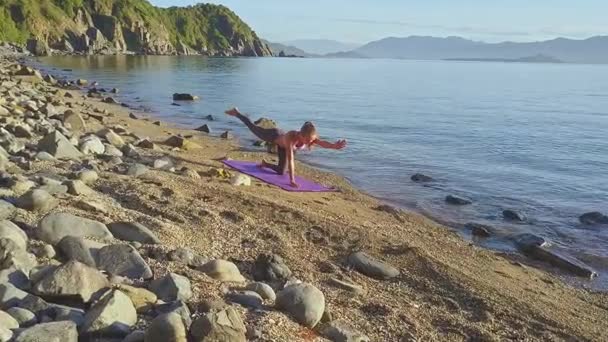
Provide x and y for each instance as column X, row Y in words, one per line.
column 529, row 137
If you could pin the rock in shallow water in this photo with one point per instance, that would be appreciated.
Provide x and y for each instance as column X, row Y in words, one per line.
column 479, row 230
column 455, row 200
column 593, row 218
column 421, row 178
column 304, row 302
column 372, row 267
column 512, row 215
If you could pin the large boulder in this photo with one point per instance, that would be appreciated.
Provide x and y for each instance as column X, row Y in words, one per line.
column 166, row 328
column 55, row 226
column 58, row 146
column 372, row 267
column 133, row 231
column 9, row 230
column 222, row 270
column 72, row 280
column 172, row 287
column 223, row 326
column 123, row 260
column 79, row 249
column 91, row 144
column 112, row 316
column 304, row 302
column 64, row 331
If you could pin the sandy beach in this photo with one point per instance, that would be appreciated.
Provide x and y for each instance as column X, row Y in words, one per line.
column 447, row 288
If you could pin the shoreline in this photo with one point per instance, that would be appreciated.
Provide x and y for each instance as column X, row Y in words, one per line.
column 447, row 289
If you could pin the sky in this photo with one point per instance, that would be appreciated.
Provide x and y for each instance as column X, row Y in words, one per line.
column 361, row 21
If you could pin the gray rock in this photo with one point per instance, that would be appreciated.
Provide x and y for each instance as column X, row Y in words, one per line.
column 304, row 302
column 75, row 120
column 91, row 144
column 512, row 215
column 204, row 128
column 112, row 315
column 7, row 210
column 79, row 249
column 130, row 151
column 54, row 189
column 372, row 267
column 479, row 230
column 346, row 285
column 90, row 205
column 123, row 260
column 270, row 267
column 179, row 307
column 15, row 276
column 339, row 331
column 13, row 256
column 24, row 317
column 249, row 299
column 593, row 218
column 226, row 325
column 65, row 313
column 133, row 231
column 172, row 287
column 44, row 156
column 136, row 170
column 37, row 200
column 55, row 226
column 455, row 200
column 64, row 331
column 59, row 146
column 72, row 280
column 112, row 151
column 9, row 230
column 11, row 296
column 164, row 163
column 45, row 251
column 23, row 131
column 166, row 328
column 181, row 254
column 39, row 272
column 88, row 176
column 222, row 270
column 112, row 138
column 5, row 335
column 526, row 242
column 142, row 299
column 264, row 290
column 7, row 321
column 77, row 187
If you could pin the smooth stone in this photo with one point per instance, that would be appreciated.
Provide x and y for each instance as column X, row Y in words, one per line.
column 164, row 163
column 75, row 121
column 172, row 287
column 54, row 189
column 55, row 226
column 526, row 242
column 304, row 302
column 339, row 331
column 24, row 317
column 130, row 151
column 142, row 299
column 348, row 286
column 72, row 279
column 123, row 260
column 16, row 277
column 79, row 249
column 421, row 178
column 249, row 299
column 270, row 267
column 133, row 231
column 455, row 200
column 59, row 146
column 226, row 326
column 593, row 218
column 179, row 307
column 37, row 200
column 7, row 321
column 222, row 270
column 112, row 151
column 181, row 254
column 512, row 215
column 44, row 156
column 166, row 328
column 112, row 138
column 93, row 206
column 136, row 170
column 264, row 290
column 241, row 180
column 77, row 187
column 6, row 335
column 9, row 230
column 372, row 267
column 88, row 177
column 560, row 260
column 112, row 315
column 64, row 331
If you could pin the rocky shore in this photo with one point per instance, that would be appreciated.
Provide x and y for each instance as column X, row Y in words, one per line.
column 118, row 228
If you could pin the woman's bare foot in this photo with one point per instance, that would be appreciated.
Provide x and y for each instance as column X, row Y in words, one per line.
column 233, row 111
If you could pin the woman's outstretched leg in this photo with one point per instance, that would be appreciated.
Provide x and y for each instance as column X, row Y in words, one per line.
column 266, row 134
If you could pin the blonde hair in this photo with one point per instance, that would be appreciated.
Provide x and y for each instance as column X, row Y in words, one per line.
column 308, row 129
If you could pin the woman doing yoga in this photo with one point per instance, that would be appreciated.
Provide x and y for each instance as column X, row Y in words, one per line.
column 287, row 143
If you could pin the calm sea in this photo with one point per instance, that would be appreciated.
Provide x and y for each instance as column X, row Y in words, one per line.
column 530, row 137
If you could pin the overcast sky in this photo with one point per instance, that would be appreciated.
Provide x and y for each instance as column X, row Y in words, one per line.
column 361, row 21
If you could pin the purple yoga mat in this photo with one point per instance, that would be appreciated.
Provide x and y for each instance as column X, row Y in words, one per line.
column 271, row 177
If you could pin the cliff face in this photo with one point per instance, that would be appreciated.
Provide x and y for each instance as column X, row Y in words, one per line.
column 126, row 26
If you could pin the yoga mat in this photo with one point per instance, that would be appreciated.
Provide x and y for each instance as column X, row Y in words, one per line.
column 271, row 177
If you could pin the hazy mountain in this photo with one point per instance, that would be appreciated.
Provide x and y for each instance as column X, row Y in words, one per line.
column 592, row 50
column 277, row 48
column 321, row 46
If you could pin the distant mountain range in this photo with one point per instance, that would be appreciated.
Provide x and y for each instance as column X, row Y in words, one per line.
column 591, row 50
column 287, row 50
column 321, row 46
